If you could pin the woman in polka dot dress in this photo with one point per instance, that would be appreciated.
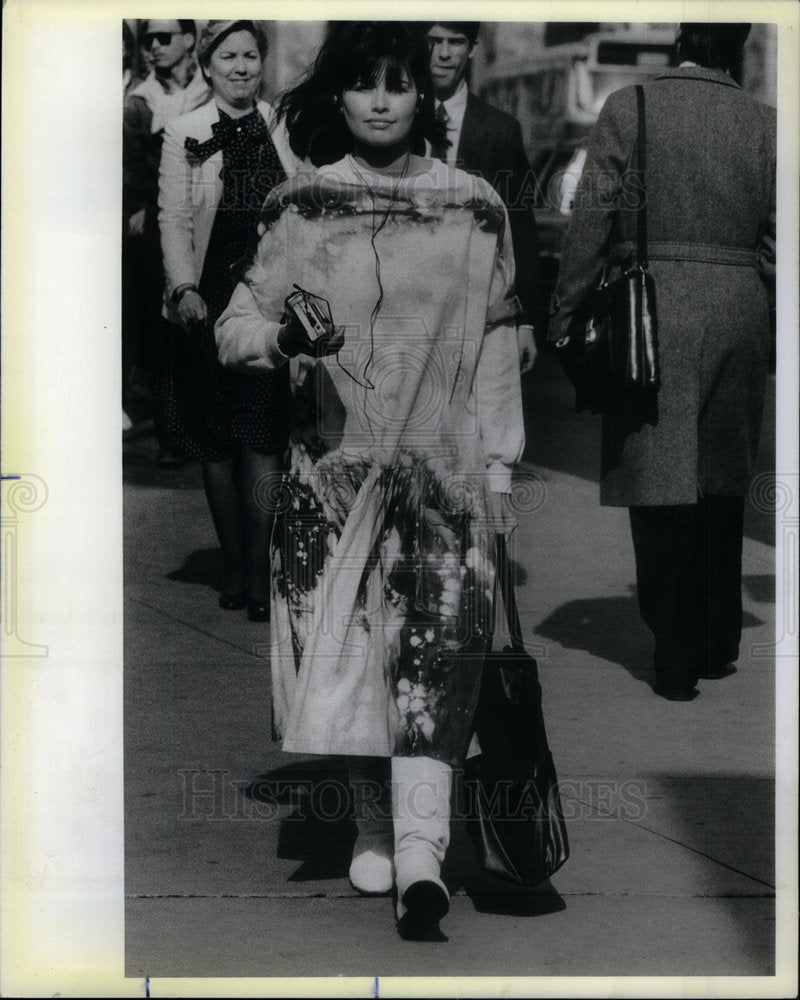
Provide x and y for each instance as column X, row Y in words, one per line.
column 218, row 164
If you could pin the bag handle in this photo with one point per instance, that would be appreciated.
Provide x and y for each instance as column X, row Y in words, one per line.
column 507, row 590
column 641, row 204
column 641, row 208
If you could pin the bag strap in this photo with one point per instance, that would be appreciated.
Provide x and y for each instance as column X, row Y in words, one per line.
column 507, row 590
column 641, row 210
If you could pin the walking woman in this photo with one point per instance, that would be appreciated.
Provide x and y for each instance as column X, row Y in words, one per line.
column 710, row 197
column 218, row 164
column 407, row 422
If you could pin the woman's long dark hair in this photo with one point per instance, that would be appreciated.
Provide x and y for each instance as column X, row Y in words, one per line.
column 357, row 52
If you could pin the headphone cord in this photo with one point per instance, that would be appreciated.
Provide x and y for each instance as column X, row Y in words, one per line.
column 367, row 383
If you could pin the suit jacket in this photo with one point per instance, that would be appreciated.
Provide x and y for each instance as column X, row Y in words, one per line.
column 710, row 188
column 491, row 145
column 189, row 194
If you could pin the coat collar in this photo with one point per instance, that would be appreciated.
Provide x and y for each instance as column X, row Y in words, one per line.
column 699, row 73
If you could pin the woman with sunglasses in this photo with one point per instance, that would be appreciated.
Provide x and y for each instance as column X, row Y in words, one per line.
column 407, row 423
column 217, row 166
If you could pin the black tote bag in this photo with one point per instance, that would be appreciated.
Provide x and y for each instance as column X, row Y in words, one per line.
column 611, row 352
column 515, row 817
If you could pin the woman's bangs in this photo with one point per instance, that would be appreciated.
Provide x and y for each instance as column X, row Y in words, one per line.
column 394, row 71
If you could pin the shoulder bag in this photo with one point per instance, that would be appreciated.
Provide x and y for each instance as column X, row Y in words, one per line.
column 514, row 809
column 617, row 352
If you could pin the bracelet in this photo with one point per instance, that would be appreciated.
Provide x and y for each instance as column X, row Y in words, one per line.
column 180, row 291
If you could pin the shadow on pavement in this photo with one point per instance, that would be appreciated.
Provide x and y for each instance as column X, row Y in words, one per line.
column 760, row 587
column 203, row 566
column 536, row 902
column 610, row 629
column 324, row 848
column 729, row 821
column 319, row 832
column 519, row 575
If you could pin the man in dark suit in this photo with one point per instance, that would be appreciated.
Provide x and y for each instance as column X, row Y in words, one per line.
column 486, row 141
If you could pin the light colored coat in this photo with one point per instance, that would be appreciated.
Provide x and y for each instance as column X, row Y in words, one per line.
column 419, row 413
column 189, row 194
column 710, row 188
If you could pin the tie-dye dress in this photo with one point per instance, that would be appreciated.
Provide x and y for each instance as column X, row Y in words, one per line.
column 382, row 554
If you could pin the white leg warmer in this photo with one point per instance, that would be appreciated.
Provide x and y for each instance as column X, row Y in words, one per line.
column 421, row 811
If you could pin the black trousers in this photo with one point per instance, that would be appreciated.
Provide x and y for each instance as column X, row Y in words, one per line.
column 689, row 579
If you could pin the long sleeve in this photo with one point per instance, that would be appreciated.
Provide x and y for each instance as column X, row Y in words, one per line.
column 245, row 340
column 175, row 214
column 595, row 211
column 498, row 391
column 499, row 402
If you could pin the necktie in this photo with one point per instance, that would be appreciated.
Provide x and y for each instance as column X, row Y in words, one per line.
column 438, row 149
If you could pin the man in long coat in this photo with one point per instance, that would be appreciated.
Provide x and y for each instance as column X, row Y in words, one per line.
column 710, row 199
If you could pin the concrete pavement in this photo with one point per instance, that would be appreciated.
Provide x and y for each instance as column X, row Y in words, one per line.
column 670, row 806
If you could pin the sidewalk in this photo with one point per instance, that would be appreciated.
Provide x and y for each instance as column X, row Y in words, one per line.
column 670, row 805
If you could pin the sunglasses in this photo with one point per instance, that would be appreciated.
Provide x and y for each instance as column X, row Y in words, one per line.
column 162, row 37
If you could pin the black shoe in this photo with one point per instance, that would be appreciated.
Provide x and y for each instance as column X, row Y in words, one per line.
column 232, row 602
column 717, row 673
column 258, row 611
column 426, row 903
column 675, row 694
